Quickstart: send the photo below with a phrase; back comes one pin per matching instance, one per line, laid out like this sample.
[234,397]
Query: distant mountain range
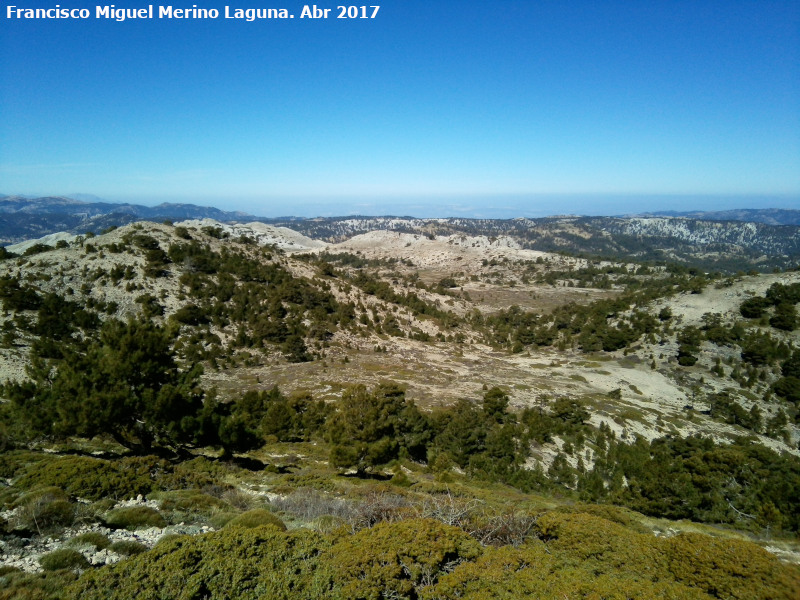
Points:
[762,239]
[770,216]
[23,218]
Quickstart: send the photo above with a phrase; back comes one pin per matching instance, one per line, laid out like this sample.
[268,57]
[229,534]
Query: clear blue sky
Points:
[434,107]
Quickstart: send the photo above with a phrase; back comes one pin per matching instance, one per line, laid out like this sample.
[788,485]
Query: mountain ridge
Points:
[718,241]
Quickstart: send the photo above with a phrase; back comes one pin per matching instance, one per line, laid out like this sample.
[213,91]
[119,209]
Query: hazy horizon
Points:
[463,206]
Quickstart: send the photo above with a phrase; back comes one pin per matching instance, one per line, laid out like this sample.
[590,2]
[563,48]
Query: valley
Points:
[501,376]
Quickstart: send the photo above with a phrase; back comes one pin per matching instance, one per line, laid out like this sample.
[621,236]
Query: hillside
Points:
[23,218]
[418,371]
[770,216]
[710,245]
[731,241]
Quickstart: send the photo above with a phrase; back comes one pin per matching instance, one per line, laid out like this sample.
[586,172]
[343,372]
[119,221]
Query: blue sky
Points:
[433,108]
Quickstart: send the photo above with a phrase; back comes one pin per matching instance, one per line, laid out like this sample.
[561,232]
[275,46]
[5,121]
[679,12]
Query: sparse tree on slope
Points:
[127,385]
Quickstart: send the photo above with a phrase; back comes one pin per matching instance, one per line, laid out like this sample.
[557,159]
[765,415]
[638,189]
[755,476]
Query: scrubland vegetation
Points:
[373,495]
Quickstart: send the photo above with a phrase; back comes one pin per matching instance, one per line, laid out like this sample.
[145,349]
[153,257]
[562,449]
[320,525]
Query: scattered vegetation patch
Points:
[64,558]
[569,555]
[190,501]
[94,478]
[127,547]
[43,510]
[94,539]
[256,517]
[404,501]
[134,517]
[246,564]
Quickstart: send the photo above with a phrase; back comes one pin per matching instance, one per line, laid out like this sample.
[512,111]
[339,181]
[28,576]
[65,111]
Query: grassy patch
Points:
[256,518]
[94,539]
[189,501]
[134,517]
[63,558]
[128,547]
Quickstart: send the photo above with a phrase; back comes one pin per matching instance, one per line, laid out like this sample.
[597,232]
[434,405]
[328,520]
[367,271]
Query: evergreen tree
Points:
[127,385]
[370,429]
[785,317]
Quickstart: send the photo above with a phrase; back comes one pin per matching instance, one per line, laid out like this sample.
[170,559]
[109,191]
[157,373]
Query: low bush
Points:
[193,501]
[509,573]
[127,547]
[198,473]
[47,585]
[615,514]
[256,518]
[729,568]
[583,538]
[44,510]
[399,559]
[91,538]
[576,555]
[246,564]
[103,505]
[12,462]
[63,558]
[307,504]
[94,478]
[134,517]
[504,528]
[169,537]
[38,492]
[220,519]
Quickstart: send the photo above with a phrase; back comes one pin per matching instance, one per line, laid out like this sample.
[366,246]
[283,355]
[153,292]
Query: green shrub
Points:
[399,559]
[188,501]
[63,558]
[615,514]
[606,546]
[219,520]
[38,492]
[134,517]
[730,568]
[509,573]
[246,564]
[578,556]
[90,538]
[14,461]
[256,518]
[46,585]
[170,537]
[94,478]
[44,510]
[198,473]
[103,505]
[127,547]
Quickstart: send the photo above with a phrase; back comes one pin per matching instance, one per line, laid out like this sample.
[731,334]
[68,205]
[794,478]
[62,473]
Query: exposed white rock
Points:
[265,235]
[48,240]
